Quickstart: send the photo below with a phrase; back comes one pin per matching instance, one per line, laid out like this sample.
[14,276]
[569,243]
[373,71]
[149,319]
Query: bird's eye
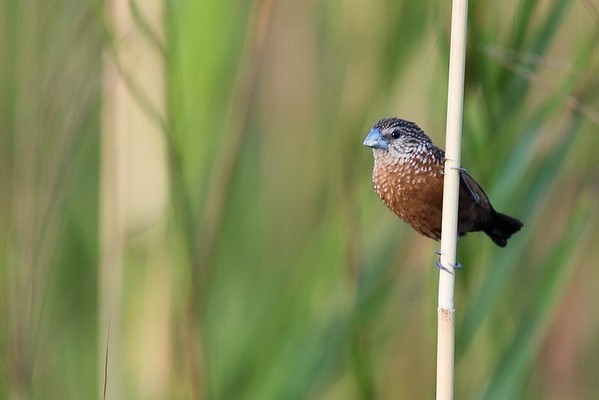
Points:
[395,134]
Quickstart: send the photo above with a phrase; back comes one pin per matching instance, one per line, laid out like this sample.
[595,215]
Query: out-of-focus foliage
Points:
[274,272]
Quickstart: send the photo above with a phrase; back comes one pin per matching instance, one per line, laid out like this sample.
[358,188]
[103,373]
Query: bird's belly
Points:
[417,200]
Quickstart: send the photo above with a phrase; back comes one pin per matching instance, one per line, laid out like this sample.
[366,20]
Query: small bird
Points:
[408,177]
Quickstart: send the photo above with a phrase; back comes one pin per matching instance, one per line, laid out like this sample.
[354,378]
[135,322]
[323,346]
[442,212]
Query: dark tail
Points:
[502,227]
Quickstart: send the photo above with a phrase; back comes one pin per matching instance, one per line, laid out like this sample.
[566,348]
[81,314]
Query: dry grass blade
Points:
[106,362]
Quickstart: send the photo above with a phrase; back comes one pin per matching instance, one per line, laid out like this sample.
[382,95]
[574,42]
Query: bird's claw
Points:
[462,170]
[442,267]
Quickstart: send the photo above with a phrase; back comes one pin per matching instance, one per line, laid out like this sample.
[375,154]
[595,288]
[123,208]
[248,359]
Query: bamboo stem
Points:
[446,310]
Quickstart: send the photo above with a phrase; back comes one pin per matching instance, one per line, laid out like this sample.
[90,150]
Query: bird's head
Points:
[396,138]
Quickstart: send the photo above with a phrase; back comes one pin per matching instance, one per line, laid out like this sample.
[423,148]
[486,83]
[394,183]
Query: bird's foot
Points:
[462,170]
[442,267]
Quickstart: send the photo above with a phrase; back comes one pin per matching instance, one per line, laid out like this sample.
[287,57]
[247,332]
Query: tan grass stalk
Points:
[446,309]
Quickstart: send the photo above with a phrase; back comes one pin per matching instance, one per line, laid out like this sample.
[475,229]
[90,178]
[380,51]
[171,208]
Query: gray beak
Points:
[375,140]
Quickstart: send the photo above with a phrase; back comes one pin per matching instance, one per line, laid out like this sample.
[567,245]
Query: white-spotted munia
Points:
[408,177]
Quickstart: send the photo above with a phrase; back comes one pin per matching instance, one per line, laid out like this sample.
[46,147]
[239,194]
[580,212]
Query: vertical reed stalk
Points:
[446,310]
[133,161]
[112,226]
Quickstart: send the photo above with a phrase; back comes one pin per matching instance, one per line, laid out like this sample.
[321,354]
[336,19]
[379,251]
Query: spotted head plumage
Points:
[406,132]
[398,140]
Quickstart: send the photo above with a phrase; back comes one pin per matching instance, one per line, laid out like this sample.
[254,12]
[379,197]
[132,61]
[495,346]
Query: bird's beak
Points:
[375,140]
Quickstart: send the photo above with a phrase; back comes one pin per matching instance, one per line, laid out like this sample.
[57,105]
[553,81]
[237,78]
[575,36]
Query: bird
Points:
[408,178]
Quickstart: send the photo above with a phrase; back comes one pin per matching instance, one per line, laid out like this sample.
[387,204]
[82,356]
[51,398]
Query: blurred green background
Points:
[186,203]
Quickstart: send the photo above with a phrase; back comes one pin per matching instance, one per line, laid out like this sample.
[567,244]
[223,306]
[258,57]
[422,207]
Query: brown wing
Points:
[475,209]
